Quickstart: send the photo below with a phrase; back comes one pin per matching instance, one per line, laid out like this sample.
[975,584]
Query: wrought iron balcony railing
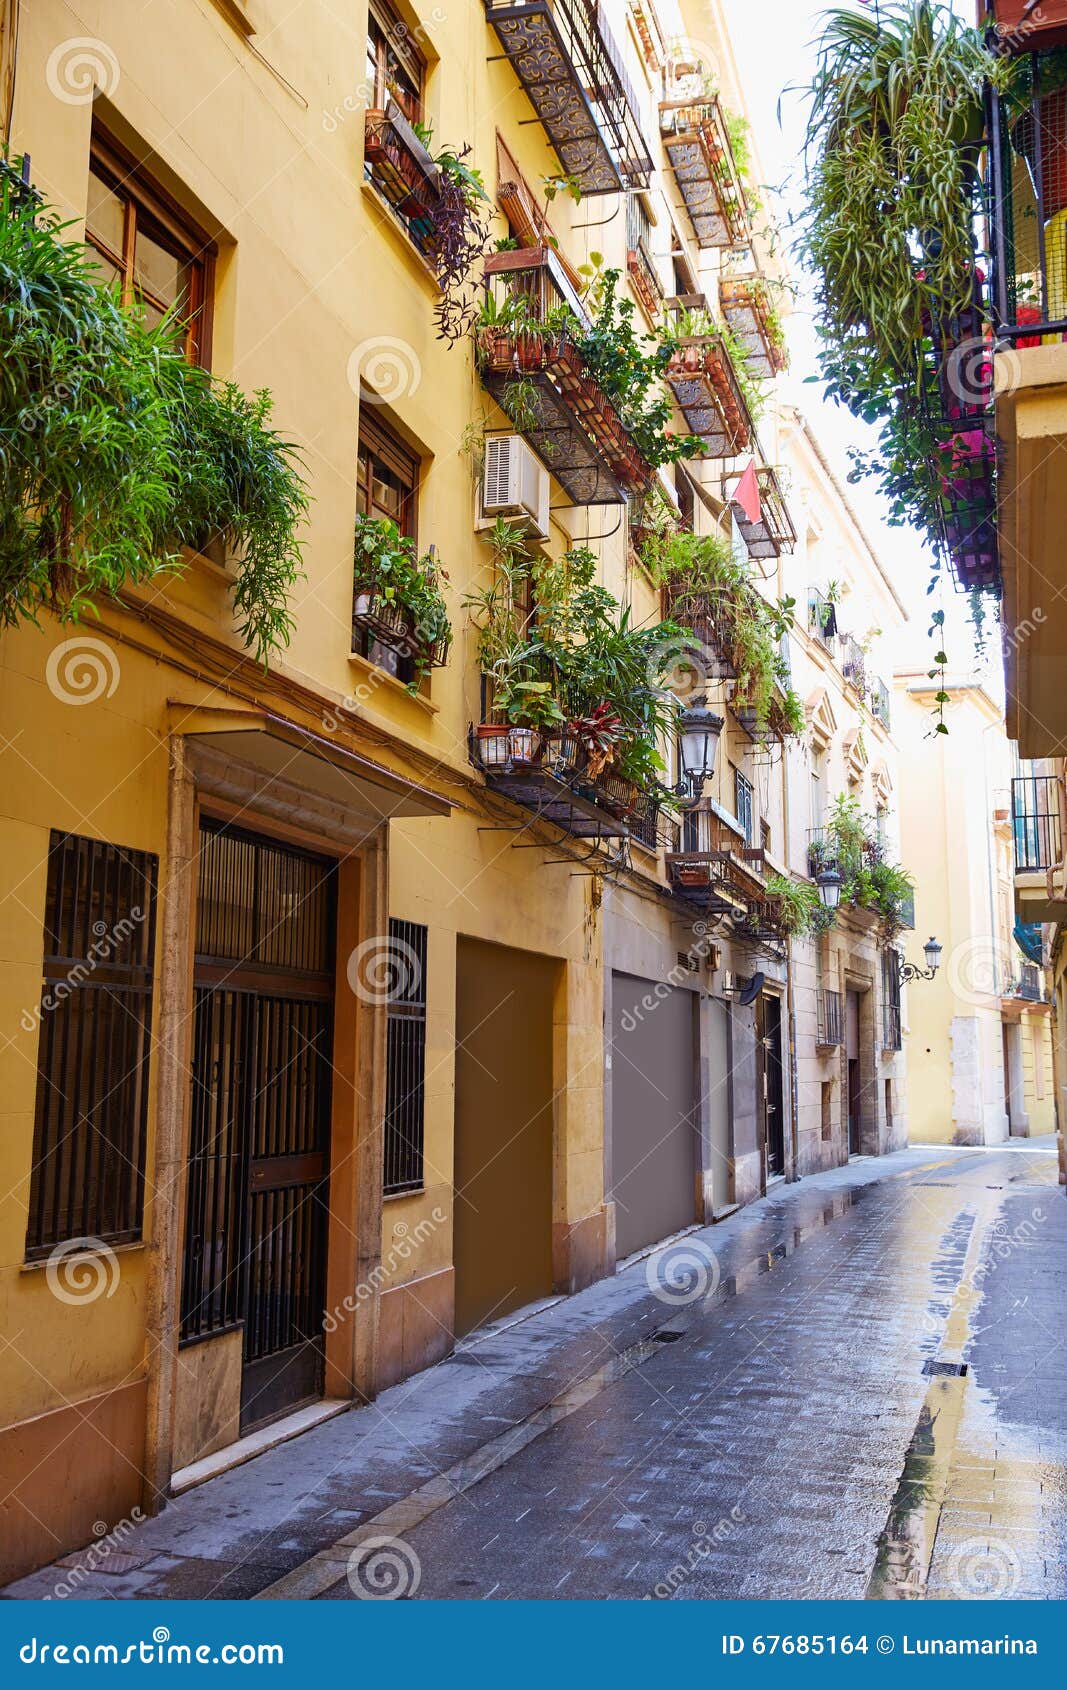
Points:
[1028,181]
[702,377]
[853,662]
[570,66]
[746,305]
[891,1029]
[1037,826]
[539,377]
[879,697]
[398,165]
[831,1018]
[697,139]
[774,533]
[1030,983]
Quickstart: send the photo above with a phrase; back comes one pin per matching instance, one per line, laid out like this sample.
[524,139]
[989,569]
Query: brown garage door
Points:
[654,1120]
[503,1152]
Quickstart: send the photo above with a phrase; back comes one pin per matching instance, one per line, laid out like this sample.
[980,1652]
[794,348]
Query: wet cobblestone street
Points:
[868,1398]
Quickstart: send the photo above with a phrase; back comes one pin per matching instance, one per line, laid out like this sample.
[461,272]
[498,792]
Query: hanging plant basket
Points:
[385,619]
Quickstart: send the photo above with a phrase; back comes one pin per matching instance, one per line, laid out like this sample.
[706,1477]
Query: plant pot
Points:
[560,752]
[493,740]
[524,745]
[616,794]
[530,350]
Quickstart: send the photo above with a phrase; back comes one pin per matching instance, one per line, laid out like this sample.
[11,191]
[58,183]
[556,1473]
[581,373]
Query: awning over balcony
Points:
[563,53]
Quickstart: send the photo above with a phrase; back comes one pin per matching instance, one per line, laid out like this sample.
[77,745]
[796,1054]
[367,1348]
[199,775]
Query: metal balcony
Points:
[746,306]
[853,662]
[702,377]
[567,417]
[571,68]
[697,141]
[1036,823]
[715,868]
[822,619]
[879,701]
[774,533]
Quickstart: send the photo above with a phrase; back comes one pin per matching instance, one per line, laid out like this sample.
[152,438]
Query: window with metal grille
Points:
[743,805]
[95,1016]
[891,1027]
[406,1069]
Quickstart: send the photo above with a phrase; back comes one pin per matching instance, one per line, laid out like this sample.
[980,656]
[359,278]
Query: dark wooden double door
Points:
[771,1080]
[257,1200]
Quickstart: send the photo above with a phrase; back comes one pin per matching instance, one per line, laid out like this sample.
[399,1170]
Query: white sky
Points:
[773,43]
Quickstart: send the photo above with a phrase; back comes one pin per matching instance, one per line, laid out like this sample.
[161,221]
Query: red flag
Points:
[746,493]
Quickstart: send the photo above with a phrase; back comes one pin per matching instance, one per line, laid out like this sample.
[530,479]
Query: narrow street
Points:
[855,1387]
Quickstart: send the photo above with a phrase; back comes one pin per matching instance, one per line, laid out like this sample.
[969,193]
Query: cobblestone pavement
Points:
[856,1387]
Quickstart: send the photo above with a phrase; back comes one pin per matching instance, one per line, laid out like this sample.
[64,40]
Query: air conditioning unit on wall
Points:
[514,486]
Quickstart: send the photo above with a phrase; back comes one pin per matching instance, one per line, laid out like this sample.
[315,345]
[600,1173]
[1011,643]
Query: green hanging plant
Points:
[116,451]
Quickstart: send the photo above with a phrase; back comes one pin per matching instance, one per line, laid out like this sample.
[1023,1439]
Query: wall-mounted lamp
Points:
[699,731]
[912,971]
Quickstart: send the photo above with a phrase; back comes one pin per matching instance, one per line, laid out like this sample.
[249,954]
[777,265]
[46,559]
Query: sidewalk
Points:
[243,1532]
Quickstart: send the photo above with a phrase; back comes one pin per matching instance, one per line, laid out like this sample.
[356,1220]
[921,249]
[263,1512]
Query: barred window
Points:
[406,1079]
[95,1020]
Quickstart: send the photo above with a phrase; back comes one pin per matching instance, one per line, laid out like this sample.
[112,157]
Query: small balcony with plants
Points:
[568,371]
[440,202]
[878,697]
[574,716]
[850,867]
[714,867]
[399,612]
[572,71]
[748,306]
[707,151]
[1038,812]
[733,634]
[708,373]
[773,532]
[853,661]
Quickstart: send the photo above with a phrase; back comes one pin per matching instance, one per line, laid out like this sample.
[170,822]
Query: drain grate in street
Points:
[945,1369]
[664,1335]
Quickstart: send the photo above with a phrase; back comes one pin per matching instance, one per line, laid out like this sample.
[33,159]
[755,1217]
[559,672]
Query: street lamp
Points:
[828,880]
[911,970]
[698,740]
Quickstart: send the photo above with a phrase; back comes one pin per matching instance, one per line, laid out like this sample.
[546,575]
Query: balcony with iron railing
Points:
[879,701]
[529,359]
[853,662]
[714,866]
[1027,196]
[696,137]
[702,376]
[1037,820]
[831,1019]
[572,70]
[892,1033]
[399,167]
[746,304]
[773,532]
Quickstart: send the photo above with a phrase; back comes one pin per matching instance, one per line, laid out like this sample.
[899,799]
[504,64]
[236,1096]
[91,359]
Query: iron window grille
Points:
[891,1026]
[91,1114]
[831,1018]
[743,805]
[405,1105]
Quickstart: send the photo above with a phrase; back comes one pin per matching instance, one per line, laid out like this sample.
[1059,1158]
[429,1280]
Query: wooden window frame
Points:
[396,35]
[147,207]
[380,444]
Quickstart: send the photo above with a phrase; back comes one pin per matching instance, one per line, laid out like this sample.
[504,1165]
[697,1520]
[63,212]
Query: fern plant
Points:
[116,451]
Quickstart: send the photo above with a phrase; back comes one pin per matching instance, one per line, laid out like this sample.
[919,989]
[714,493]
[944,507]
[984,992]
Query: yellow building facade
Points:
[370,1046]
[979,1033]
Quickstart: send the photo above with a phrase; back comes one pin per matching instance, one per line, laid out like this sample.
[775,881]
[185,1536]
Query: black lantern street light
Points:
[699,730]
[912,971]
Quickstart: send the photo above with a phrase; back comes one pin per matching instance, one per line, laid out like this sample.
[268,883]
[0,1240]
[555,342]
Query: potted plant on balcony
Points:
[798,907]
[397,594]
